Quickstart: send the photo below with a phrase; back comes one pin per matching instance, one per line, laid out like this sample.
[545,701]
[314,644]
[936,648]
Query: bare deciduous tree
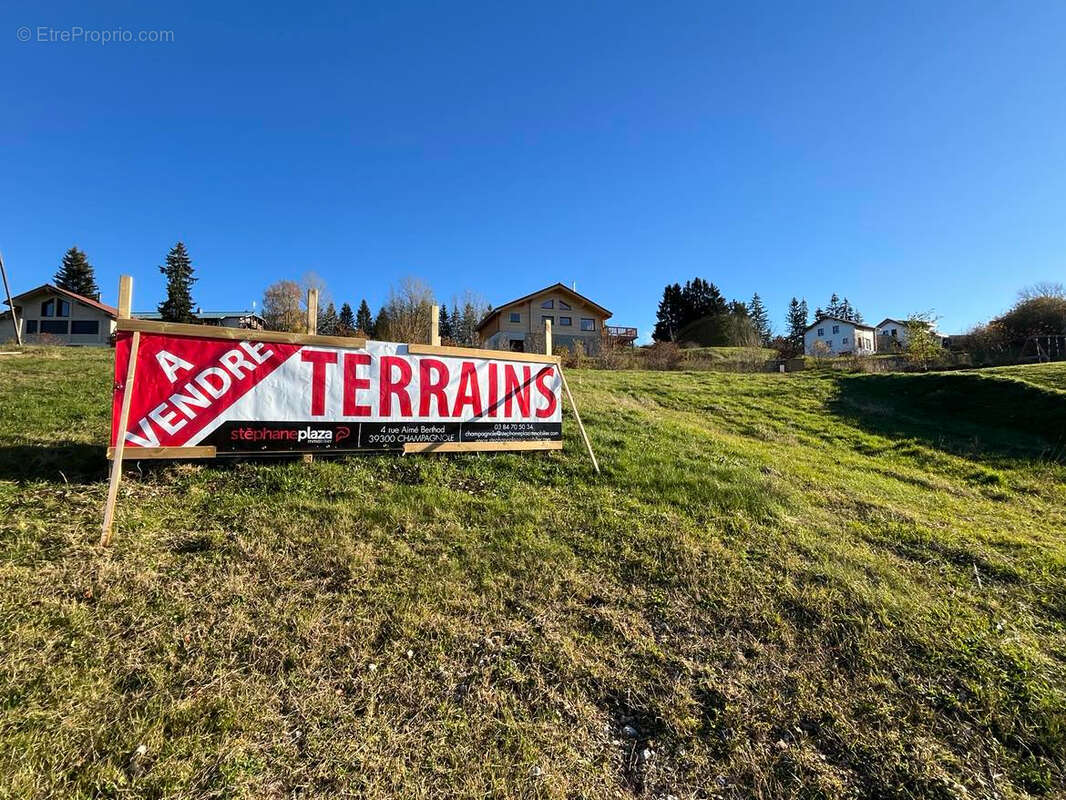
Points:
[283,307]
[408,312]
[1042,289]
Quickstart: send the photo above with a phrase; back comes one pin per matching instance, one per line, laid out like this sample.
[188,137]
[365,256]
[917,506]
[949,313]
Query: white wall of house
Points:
[895,331]
[839,338]
[73,323]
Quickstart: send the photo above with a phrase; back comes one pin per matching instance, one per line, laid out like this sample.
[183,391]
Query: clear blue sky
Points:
[909,155]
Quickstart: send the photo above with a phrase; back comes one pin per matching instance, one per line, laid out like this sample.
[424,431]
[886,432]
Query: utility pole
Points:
[14,317]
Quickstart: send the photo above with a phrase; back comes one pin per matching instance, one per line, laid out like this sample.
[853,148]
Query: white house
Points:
[892,335]
[833,336]
[55,316]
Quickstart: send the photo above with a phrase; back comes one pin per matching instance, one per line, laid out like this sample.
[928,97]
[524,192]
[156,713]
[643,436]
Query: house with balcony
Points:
[518,325]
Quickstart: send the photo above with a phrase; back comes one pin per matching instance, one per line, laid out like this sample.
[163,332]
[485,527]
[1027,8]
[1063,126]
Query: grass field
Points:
[729,353]
[804,585]
[1051,376]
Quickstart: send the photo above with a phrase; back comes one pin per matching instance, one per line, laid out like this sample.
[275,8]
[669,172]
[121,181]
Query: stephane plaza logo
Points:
[191,391]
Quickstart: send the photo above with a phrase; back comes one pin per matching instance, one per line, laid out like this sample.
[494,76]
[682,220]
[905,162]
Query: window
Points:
[564,306]
[821,331]
[516,317]
[844,340]
[588,324]
[547,318]
[56,326]
[836,329]
[85,327]
[31,326]
[893,331]
[548,304]
[55,308]
[565,322]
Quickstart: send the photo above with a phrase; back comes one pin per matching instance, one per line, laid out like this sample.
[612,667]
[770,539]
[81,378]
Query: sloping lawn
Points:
[1051,376]
[781,586]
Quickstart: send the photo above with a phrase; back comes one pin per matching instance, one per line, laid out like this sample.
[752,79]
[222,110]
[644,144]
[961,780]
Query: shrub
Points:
[1037,316]
[662,355]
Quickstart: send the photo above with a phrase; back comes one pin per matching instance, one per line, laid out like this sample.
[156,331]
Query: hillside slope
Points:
[782,585]
[1050,376]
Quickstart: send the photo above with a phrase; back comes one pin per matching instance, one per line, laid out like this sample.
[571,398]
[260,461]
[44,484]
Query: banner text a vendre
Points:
[256,396]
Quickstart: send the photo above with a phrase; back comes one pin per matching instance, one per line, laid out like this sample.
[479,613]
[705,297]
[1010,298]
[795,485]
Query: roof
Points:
[200,314]
[820,320]
[894,321]
[555,287]
[111,311]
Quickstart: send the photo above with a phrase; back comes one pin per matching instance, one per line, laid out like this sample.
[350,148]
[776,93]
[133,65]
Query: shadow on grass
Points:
[53,461]
[975,416]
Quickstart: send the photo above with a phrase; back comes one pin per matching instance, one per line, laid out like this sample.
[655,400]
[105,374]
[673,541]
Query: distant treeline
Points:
[698,314]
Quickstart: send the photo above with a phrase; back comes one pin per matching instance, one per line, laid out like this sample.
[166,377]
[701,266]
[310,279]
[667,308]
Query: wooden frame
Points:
[138,326]
[120,444]
[14,316]
[473,447]
[139,453]
[237,334]
[473,352]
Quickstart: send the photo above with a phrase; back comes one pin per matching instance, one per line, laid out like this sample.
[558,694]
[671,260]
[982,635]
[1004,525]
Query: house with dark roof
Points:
[518,325]
[52,315]
[892,334]
[219,319]
[833,336]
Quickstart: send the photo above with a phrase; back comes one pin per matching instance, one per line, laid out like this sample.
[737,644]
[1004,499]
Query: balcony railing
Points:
[620,334]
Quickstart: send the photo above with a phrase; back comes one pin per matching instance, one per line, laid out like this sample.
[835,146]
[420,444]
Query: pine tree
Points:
[468,325]
[668,319]
[841,309]
[328,322]
[381,324]
[364,321]
[178,269]
[849,312]
[77,275]
[701,299]
[346,320]
[447,330]
[796,324]
[760,319]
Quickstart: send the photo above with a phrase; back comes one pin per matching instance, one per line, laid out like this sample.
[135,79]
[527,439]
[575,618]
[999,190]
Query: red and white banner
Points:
[254,396]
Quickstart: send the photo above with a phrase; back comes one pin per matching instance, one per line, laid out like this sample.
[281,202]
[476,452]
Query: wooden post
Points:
[125,298]
[14,316]
[312,328]
[312,311]
[434,325]
[577,416]
[548,338]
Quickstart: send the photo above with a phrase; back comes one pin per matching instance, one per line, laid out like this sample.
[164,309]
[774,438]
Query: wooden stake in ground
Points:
[125,294]
[577,416]
[312,329]
[548,337]
[434,325]
[14,316]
